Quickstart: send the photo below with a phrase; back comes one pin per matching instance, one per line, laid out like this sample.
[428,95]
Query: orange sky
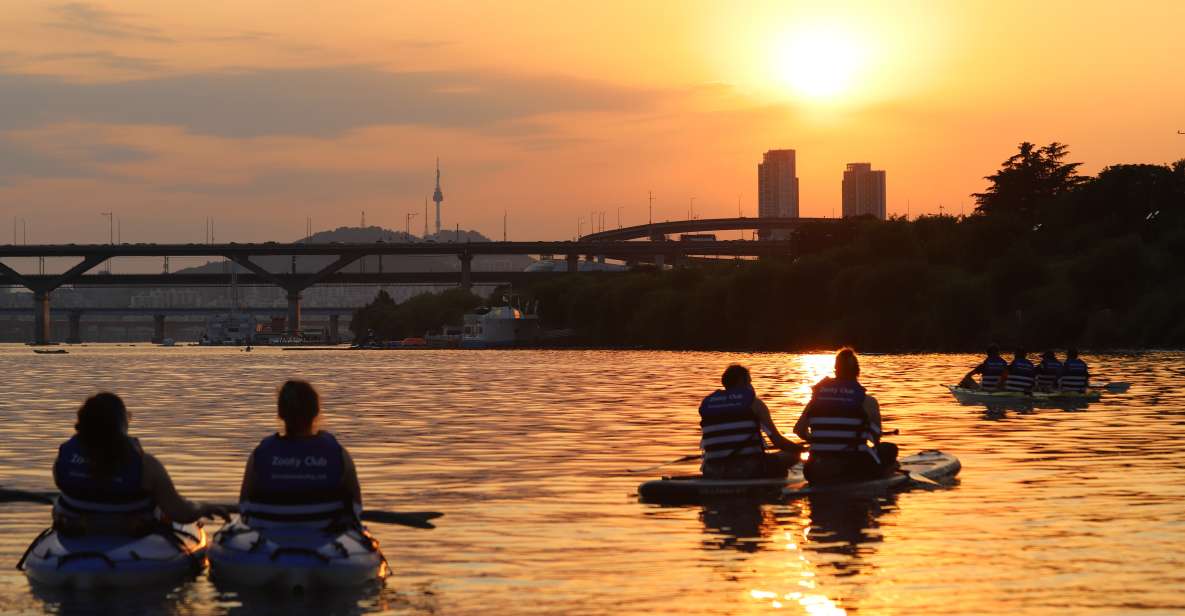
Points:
[261,114]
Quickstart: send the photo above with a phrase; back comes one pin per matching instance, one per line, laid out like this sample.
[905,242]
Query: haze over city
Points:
[262,114]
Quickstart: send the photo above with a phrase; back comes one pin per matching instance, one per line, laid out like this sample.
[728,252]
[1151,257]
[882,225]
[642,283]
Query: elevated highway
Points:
[659,230]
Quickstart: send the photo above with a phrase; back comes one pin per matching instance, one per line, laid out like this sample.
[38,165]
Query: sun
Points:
[821,63]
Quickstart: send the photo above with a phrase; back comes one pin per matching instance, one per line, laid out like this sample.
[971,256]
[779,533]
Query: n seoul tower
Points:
[437,196]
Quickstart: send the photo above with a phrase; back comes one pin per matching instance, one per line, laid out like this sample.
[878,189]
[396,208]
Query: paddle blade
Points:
[415,519]
[8,495]
[922,479]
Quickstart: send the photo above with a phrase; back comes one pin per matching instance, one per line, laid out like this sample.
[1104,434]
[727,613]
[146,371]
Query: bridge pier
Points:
[41,322]
[660,261]
[466,270]
[334,330]
[293,323]
[573,264]
[158,328]
[75,336]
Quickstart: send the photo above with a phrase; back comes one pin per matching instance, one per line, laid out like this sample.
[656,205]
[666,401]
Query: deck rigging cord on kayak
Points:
[414,519]
[697,456]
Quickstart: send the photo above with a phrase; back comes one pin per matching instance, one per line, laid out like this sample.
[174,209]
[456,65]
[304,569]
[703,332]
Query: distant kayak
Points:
[977,396]
[694,489]
[100,561]
[930,464]
[295,558]
[50,351]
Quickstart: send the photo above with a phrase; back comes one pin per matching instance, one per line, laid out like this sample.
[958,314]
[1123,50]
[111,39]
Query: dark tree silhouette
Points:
[1029,180]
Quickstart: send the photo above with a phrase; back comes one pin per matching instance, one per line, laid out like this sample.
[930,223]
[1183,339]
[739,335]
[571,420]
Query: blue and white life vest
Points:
[1047,373]
[992,369]
[837,421]
[1074,376]
[297,481]
[1021,375]
[82,492]
[729,427]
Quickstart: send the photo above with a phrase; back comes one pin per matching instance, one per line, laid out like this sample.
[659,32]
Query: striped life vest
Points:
[837,422]
[1047,373]
[991,370]
[297,482]
[84,493]
[1021,375]
[728,425]
[1074,376]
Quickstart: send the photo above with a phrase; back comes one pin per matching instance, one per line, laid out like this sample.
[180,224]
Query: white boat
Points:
[499,327]
[231,329]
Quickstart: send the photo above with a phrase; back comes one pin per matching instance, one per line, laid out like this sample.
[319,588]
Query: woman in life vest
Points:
[732,421]
[303,476]
[109,485]
[991,371]
[842,424]
[1075,375]
[1022,374]
[1047,372]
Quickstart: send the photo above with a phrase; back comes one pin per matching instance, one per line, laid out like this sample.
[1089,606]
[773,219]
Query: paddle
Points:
[687,458]
[415,519]
[1117,387]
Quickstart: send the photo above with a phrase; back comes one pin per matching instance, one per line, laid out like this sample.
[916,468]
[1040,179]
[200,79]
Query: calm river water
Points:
[1068,511]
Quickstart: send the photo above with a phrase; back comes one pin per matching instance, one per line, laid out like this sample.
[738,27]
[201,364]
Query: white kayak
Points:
[295,558]
[931,464]
[966,395]
[694,489]
[104,561]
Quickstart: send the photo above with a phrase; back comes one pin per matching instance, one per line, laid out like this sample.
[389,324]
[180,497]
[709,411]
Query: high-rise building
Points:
[777,189]
[863,191]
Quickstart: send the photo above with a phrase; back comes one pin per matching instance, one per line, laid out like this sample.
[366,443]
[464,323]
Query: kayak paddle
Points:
[1117,387]
[687,458]
[415,519]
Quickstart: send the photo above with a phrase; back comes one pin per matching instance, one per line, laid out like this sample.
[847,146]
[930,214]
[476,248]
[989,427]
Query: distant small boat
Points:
[51,352]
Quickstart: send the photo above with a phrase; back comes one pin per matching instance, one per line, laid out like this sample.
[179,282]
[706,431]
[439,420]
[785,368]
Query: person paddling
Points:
[109,485]
[732,421]
[1048,371]
[302,477]
[1022,375]
[991,371]
[842,424]
[1075,374]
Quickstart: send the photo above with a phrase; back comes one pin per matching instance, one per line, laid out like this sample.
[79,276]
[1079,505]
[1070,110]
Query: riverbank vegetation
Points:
[1049,258]
[384,319]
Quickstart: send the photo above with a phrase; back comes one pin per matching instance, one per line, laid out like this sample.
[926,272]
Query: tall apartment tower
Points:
[863,191]
[777,189]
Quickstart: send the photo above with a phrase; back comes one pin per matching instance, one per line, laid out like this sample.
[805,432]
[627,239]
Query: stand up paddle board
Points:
[931,464]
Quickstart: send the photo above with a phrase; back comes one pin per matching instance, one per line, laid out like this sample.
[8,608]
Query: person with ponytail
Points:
[303,476]
[109,485]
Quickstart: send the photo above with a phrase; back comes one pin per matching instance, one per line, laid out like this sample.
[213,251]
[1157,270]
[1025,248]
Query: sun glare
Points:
[819,63]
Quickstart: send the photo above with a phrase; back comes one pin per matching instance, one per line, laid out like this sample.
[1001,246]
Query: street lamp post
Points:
[110,233]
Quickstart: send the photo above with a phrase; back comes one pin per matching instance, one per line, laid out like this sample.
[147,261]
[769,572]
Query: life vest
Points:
[728,425]
[1047,373]
[991,370]
[297,481]
[83,493]
[1021,375]
[1074,376]
[837,421]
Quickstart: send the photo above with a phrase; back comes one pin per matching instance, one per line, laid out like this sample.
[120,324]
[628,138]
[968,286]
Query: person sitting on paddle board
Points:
[1075,375]
[1022,374]
[991,371]
[732,421]
[1048,372]
[842,424]
[302,477]
[109,485]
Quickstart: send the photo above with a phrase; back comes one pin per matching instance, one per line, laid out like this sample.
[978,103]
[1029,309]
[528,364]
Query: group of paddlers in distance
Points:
[1022,376]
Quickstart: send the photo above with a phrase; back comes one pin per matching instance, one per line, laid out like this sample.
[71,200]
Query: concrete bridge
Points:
[295,283]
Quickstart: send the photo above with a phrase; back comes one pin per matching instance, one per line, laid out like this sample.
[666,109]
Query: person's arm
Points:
[802,426]
[350,480]
[247,485]
[178,509]
[767,425]
[872,409]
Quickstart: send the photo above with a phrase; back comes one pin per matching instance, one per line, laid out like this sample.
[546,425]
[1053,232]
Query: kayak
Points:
[295,558]
[694,489]
[931,464]
[977,396]
[104,561]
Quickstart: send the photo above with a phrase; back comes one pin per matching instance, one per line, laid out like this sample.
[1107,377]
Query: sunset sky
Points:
[261,113]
